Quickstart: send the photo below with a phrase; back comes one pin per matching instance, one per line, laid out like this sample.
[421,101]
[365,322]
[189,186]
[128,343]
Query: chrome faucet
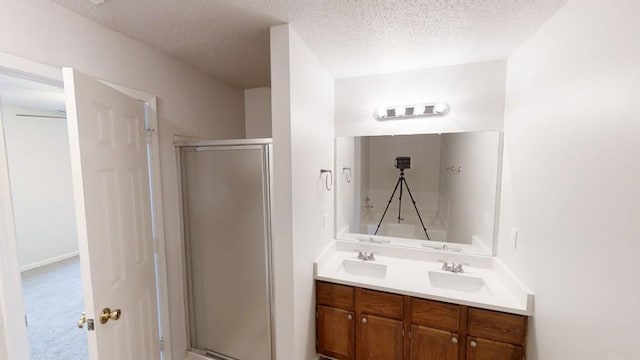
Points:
[452,267]
[366,256]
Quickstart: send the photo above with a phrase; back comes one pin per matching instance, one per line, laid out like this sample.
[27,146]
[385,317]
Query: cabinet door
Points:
[483,349]
[335,333]
[433,344]
[379,338]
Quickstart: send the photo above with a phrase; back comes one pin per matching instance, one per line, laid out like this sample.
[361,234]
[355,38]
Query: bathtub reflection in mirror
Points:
[453,179]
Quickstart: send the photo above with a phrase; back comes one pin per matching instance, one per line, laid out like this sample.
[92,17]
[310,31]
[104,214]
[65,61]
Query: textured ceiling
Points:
[230,38]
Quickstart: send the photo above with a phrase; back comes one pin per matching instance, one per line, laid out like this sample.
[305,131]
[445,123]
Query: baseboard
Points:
[194,356]
[45,262]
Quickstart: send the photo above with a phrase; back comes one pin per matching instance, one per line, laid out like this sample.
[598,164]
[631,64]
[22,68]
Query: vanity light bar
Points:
[411,111]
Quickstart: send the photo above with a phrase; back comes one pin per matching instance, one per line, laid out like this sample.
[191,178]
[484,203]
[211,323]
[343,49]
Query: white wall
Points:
[303,137]
[345,190]
[3,342]
[257,112]
[468,197]
[571,182]
[42,191]
[189,102]
[475,93]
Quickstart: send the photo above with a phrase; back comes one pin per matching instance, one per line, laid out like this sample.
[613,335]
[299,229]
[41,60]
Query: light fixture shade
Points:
[411,111]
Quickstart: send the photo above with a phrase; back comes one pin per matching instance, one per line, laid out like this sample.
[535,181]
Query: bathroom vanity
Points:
[403,305]
[417,279]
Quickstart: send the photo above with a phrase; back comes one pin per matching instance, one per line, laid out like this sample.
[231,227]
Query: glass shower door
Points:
[226,218]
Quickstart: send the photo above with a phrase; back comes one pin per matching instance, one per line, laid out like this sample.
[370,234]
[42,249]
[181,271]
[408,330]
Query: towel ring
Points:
[347,173]
[328,179]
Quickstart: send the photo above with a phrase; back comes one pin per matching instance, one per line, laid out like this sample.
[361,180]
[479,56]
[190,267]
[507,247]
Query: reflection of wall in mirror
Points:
[467,198]
[422,178]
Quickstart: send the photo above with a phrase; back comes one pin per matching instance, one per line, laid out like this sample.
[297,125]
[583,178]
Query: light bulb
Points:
[440,108]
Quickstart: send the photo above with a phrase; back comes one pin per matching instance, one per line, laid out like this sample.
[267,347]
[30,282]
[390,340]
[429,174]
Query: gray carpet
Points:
[53,301]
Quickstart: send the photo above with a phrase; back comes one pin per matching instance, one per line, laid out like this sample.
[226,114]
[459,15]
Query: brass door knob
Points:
[108,314]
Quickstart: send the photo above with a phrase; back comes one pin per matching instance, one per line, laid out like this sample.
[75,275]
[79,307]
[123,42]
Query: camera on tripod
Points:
[402,162]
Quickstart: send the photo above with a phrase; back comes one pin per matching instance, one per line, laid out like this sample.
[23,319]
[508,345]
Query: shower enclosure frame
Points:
[265,144]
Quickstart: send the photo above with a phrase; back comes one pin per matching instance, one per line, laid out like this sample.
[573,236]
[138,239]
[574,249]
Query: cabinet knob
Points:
[364,320]
[473,344]
[350,317]
[454,340]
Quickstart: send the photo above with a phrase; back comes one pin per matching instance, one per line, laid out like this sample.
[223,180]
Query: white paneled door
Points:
[108,142]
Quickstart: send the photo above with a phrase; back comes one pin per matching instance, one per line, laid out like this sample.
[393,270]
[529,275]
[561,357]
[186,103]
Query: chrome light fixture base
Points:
[411,111]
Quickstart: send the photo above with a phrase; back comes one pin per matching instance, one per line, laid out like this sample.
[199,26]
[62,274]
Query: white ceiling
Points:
[230,38]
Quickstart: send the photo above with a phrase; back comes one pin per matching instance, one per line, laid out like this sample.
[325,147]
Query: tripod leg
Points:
[387,208]
[416,207]
[400,202]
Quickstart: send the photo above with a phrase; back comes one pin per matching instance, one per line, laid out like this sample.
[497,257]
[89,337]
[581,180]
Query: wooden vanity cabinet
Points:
[435,330]
[335,321]
[362,324]
[495,335]
[429,343]
[380,326]
[484,349]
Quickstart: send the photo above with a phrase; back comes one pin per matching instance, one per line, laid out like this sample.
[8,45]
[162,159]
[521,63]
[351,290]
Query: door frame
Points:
[181,141]
[11,300]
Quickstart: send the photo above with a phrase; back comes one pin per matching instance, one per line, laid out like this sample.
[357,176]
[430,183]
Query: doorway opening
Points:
[37,147]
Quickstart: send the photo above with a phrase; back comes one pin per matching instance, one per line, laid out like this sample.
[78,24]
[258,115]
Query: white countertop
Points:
[476,247]
[408,274]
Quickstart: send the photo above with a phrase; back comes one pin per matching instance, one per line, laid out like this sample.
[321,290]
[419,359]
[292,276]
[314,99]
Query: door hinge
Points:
[161,344]
[147,134]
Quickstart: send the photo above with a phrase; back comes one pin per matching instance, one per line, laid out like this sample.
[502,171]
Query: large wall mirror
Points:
[436,191]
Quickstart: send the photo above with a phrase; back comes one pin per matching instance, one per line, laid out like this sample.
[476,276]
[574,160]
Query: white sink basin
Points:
[364,268]
[458,282]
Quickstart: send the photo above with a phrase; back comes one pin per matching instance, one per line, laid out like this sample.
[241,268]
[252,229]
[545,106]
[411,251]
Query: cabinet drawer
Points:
[380,303]
[497,326]
[435,314]
[339,296]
